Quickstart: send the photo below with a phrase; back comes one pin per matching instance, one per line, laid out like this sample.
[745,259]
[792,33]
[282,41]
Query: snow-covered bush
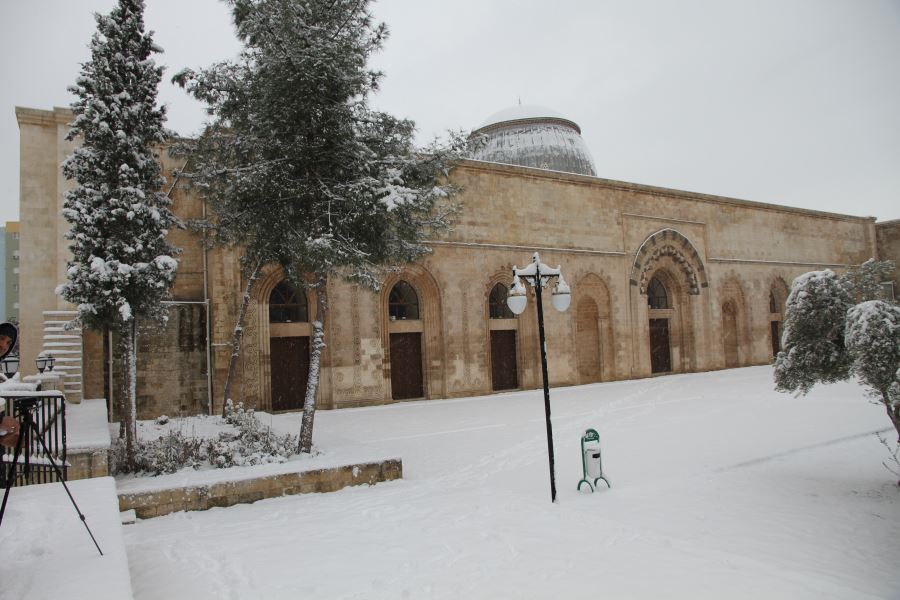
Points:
[872,339]
[169,453]
[253,444]
[813,338]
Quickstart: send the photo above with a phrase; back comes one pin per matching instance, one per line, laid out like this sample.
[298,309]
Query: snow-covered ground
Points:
[722,488]
[46,553]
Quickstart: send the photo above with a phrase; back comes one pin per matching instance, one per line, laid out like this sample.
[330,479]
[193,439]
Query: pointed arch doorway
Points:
[503,327]
[405,328]
[288,346]
[660,312]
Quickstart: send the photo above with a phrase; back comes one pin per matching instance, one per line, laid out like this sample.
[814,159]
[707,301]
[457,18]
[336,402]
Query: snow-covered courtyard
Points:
[722,488]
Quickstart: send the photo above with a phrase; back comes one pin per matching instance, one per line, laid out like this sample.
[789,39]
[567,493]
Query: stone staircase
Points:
[65,346]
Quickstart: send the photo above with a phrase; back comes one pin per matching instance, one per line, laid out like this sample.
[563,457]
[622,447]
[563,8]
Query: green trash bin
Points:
[591,460]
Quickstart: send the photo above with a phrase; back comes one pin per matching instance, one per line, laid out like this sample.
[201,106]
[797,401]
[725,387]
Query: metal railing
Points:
[47,412]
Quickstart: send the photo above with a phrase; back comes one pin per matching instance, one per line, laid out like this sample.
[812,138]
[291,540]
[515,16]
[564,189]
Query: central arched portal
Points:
[668,276]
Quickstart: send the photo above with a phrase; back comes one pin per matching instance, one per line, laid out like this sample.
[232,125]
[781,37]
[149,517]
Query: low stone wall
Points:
[84,464]
[229,493]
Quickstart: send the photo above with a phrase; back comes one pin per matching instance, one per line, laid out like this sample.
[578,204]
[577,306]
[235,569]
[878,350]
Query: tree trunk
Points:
[893,413]
[315,361]
[129,343]
[237,335]
[120,397]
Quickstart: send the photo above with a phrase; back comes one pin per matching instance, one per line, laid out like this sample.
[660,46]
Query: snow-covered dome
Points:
[533,136]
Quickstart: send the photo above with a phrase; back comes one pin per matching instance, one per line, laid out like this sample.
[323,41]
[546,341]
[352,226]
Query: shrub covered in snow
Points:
[813,338]
[252,444]
[169,453]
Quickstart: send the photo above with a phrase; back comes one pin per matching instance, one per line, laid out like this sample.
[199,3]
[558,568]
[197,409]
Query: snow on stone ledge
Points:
[46,552]
[194,478]
[86,426]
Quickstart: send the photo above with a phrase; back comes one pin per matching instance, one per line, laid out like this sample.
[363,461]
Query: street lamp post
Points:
[539,276]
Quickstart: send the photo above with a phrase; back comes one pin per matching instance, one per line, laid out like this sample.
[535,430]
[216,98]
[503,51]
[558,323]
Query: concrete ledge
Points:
[228,493]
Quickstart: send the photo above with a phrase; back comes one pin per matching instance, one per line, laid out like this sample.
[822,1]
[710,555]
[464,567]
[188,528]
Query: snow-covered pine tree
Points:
[813,339]
[834,328]
[122,265]
[872,339]
[300,171]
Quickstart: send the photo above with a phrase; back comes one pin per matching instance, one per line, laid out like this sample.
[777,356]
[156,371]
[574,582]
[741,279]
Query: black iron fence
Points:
[42,418]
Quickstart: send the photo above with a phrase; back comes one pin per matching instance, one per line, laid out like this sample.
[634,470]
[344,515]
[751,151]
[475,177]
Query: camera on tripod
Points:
[38,413]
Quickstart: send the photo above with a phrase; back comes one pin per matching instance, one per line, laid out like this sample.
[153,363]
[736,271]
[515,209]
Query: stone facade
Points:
[888,234]
[725,265]
[11,271]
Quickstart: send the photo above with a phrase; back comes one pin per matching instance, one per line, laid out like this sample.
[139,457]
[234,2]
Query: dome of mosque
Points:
[533,136]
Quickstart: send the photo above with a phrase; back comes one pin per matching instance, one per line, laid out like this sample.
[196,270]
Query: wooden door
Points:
[406,366]
[776,338]
[660,355]
[290,371]
[504,374]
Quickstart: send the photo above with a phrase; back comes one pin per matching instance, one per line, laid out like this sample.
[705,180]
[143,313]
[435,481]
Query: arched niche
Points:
[736,339]
[594,343]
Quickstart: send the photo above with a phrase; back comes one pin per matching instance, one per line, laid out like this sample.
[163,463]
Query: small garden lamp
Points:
[44,362]
[10,364]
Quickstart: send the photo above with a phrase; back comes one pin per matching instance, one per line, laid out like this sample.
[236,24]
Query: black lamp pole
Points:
[540,317]
[539,275]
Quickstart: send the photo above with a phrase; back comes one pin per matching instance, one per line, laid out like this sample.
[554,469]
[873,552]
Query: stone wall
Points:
[228,493]
[889,248]
[84,464]
[171,365]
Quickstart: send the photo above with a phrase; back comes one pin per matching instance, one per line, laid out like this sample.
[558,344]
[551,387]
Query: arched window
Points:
[657,298]
[403,303]
[287,305]
[773,304]
[497,303]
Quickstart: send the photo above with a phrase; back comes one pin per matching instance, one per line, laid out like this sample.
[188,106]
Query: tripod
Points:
[26,407]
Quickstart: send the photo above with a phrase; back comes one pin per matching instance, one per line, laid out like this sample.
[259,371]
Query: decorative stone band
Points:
[671,243]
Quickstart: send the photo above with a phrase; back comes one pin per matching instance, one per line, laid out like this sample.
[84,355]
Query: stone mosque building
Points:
[663,281]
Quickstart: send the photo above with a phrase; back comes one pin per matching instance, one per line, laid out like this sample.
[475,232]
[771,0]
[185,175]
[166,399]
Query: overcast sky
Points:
[794,102]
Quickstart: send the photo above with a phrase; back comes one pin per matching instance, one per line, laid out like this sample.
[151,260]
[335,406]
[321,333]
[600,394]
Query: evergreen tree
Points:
[834,328]
[122,265]
[813,338]
[873,343]
[299,171]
